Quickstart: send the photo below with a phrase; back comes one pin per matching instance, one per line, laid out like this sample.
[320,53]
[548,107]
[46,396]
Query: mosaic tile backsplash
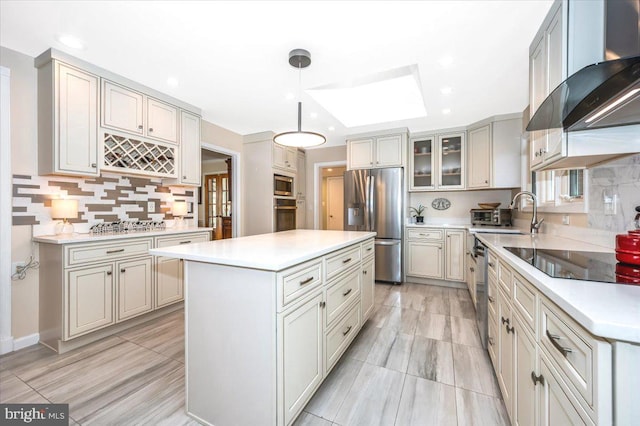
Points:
[106,198]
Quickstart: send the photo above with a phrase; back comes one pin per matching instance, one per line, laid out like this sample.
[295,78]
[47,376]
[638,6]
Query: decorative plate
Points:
[441,204]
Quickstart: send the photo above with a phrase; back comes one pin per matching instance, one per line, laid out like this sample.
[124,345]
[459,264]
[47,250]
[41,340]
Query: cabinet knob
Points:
[505,320]
[491,299]
[94,165]
[140,126]
[486,181]
[184,177]
[109,272]
[123,270]
[150,129]
[323,304]
[510,329]
[537,379]
[364,272]
[491,341]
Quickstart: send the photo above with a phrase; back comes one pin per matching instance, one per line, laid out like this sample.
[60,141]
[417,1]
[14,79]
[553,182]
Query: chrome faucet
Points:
[535,224]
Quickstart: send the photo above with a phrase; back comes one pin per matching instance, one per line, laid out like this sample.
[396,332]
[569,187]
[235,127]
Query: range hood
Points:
[606,94]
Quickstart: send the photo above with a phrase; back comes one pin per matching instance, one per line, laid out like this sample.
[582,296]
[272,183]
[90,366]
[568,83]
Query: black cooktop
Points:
[569,264]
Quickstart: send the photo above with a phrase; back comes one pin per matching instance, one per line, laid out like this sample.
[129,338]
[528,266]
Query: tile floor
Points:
[417,361]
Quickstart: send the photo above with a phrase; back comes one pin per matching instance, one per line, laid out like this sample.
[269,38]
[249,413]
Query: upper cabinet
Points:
[493,153]
[285,157]
[133,130]
[436,162]
[376,151]
[67,120]
[132,112]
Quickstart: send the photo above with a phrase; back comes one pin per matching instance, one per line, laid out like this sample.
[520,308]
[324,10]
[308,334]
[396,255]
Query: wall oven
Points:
[284,214]
[282,186]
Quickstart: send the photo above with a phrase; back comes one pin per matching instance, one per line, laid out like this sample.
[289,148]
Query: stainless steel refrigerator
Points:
[373,201]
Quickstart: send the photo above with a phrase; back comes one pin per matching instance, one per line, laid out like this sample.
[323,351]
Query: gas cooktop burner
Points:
[579,265]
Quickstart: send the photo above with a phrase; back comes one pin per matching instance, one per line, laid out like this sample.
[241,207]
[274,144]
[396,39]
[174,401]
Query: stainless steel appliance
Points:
[492,217]
[374,201]
[284,214]
[482,295]
[282,185]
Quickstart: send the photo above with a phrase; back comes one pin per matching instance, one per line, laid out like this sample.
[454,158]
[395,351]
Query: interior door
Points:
[217,210]
[335,203]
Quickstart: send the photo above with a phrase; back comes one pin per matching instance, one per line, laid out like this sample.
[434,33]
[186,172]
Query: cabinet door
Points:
[169,284]
[537,94]
[301,175]
[77,121]
[556,68]
[162,121]
[190,148]
[471,278]
[451,161]
[301,214]
[122,108]
[454,256]
[301,353]
[479,157]
[505,349]
[555,405]
[279,156]
[425,259]
[291,159]
[360,154]
[90,299]
[389,151]
[422,164]
[134,288]
[524,361]
[368,289]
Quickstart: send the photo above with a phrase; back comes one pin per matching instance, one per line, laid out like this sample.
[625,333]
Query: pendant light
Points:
[299,58]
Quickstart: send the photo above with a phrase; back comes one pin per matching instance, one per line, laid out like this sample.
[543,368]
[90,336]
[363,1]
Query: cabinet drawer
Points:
[368,248]
[341,294]
[338,339]
[524,300]
[571,348]
[175,240]
[504,276]
[492,263]
[298,281]
[342,260]
[426,234]
[86,253]
[492,297]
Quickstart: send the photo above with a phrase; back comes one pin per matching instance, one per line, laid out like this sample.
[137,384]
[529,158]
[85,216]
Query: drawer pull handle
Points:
[344,333]
[185,242]
[510,329]
[370,248]
[307,281]
[505,321]
[554,341]
[115,251]
[346,292]
[123,270]
[346,260]
[491,299]
[537,379]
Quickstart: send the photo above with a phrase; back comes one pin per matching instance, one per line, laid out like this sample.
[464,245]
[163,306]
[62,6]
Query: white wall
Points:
[461,202]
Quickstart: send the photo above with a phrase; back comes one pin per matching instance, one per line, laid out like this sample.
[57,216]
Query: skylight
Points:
[389,96]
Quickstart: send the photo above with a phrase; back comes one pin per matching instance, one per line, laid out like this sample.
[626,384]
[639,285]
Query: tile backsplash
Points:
[106,198]
[616,182]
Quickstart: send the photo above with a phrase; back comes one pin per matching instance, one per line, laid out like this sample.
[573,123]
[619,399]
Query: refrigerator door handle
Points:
[387,242]
[371,206]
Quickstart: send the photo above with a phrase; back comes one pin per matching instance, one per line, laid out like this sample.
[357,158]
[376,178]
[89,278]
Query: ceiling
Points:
[231,58]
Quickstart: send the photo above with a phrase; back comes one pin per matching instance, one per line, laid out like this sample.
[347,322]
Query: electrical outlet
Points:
[151,206]
[610,205]
[565,219]
[15,265]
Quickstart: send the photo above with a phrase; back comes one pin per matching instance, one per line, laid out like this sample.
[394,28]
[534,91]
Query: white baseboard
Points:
[6,345]
[23,342]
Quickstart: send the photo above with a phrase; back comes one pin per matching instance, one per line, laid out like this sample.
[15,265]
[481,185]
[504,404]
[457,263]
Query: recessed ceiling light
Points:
[329,170]
[388,96]
[313,115]
[446,61]
[331,128]
[71,41]
[172,81]
[446,90]
[446,111]
[289,96]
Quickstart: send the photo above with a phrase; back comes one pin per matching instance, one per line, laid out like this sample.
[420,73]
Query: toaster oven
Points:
[491,217]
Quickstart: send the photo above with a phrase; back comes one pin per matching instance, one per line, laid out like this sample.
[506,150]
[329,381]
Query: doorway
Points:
[332,197]
[215,196]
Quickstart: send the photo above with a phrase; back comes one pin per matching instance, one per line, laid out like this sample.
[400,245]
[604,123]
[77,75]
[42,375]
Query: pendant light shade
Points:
[299,58]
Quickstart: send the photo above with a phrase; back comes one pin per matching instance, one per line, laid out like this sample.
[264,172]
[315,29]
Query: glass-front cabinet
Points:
[437,162]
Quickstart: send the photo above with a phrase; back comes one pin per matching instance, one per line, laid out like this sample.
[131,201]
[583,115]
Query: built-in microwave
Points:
[282,185]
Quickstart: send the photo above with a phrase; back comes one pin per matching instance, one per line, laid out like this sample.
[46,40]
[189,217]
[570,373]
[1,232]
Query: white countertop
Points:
[443,225]
[607,310]
[469,227]
[270,252]
[87,238]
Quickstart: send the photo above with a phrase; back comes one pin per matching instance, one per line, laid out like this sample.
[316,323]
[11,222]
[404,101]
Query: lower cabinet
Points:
[169,286]
[424,259]
[302,337]
[550,370]
[90,299]
[436,253]
[134,288]
[454,255]
[368,288]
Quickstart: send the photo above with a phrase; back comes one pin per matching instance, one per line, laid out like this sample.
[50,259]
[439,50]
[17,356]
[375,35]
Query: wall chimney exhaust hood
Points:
[606,94]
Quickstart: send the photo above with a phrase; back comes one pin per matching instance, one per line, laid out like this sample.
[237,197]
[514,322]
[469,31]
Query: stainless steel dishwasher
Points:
[482,302]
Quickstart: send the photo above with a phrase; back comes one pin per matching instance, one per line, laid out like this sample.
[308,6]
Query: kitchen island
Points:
[267,317]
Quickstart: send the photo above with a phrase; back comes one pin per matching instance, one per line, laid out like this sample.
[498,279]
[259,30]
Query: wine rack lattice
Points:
[139,156]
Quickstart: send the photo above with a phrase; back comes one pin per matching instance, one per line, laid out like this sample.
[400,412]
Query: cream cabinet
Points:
[454,255]
[67,120]
[285,157]
[376,151]
[130,111]
[368,287]
[190,149]
[437,162]
[301,174]
[549,369]
[479,157]
[89,286]
[436,253]
[425,259]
